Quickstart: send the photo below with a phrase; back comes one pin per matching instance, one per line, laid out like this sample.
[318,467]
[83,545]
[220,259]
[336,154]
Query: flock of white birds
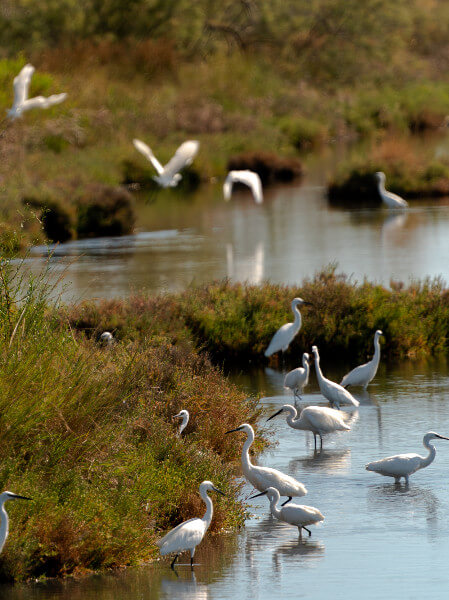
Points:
[319,420]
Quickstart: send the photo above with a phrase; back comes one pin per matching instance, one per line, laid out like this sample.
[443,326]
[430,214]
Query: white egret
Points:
[364,374]
[388,198]
[285,334]
[335,393]
[249,178]
[299,515]
[184,415]
[169,175]
[106,338]
[320,420]
[264,477]
[187,535]
[297,379]
[21,101]
[404,465]
[4,524]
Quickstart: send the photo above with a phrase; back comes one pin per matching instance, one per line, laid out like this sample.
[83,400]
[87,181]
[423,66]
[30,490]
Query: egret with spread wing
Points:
[249,178]
[169,175]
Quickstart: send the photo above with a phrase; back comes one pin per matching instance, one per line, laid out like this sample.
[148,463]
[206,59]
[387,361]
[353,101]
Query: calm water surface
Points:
[378,540]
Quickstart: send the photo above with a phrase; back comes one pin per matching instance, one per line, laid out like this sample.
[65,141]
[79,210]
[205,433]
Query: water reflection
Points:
[249,269]
[326,461]
[183,587]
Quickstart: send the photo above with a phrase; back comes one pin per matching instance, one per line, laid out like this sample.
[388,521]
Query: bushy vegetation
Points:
[86,432]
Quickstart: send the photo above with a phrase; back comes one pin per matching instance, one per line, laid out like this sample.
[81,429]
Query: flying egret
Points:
[264,477]
[21,101]
[364,374]
[299,515]
[320,420]
[335,393]
[404,465]
[184,415]
[106,338]
[249,178]
[169,175]
[285,334]
[4,524]
[297,379]
[388,198]
[187,535]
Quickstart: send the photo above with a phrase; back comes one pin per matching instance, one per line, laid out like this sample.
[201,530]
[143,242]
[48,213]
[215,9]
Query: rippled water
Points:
[378,540]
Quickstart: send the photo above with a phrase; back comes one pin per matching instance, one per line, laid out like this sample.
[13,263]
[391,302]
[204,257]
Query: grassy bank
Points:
[87,433]
[235,322]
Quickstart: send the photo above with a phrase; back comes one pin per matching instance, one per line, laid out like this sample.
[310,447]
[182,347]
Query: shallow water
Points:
[378,540]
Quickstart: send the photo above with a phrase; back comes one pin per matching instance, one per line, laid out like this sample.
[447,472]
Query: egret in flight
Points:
[249,178]
[187,535]
[4,523]
[184,415]
[297,379]
[264,477]
[299,515]
[364,374]
[320,420]
[285,334]
[21,89]
[335,393]
[389,199]
[404,465]
[169,175]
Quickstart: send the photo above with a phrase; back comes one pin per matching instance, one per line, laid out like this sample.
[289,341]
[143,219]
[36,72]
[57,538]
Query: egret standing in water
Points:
[4,524]
[184,415]
[388,198]
[299,515]
[297,379]
[320,420]
[187,535]
[404,465]
[285,334]
[169,175]
[364,374]
[264,477]
[249,178]
[336,394]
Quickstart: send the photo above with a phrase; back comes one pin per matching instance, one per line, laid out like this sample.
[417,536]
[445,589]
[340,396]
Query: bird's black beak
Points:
[308,303]
[442,437]
[257,495]
[232,430]
[275,414]
[20,497]
[219,491]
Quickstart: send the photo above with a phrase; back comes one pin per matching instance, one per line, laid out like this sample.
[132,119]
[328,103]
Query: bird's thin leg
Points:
[314,439]
[397,480]
[321,441]
[406,479]
[288,500]
[172,566]
[300,532]
[192,553]
[308,531]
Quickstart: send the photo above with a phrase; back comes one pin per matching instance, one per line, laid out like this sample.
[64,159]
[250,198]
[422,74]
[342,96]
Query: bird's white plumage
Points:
[264,477]
[404,465]
[21,89]
[249,178]
[364,374]
[335,393]
[297,379]
[169,175]
[106,338]
[388,198]
[4,519]
[185,416]
[285,334]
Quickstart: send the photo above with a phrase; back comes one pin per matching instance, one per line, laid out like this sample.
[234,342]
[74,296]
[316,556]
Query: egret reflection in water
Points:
[248,268]
[183,588]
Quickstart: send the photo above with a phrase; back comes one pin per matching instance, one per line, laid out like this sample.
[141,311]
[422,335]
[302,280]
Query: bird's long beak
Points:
[232,430]
[17,497]
[178,416]
[442,437]
[275,414]
[308,303]
[257,495]
[219,491]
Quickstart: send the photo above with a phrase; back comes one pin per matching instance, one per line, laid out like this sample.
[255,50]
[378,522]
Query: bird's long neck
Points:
[319,374]
[381,186]
[185,420]
[4,526]
[209,509]
[292,415]
[376,357]
[275,511]
[297,321]
[246,461]
[430,457]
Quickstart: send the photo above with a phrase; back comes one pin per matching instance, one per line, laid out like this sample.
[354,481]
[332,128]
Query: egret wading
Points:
[264,477]
[249,178]
[335,393]
[4,523]
[187,535]
[404,465]
[285,334]
[184,415]
[320,420]
[169,175]
[297,379]
[388,198]
[299,515]
[364,374]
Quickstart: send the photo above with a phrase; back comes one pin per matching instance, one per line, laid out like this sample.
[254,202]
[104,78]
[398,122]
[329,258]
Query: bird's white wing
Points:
[148,153]
[357,376]
[251,179]
[281,339]
[341,395]
[287,485]
[183,157]
[43,102]
[227,186]
[183,537]
[399,465]
[297,514]
[324,419]
[22,84]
